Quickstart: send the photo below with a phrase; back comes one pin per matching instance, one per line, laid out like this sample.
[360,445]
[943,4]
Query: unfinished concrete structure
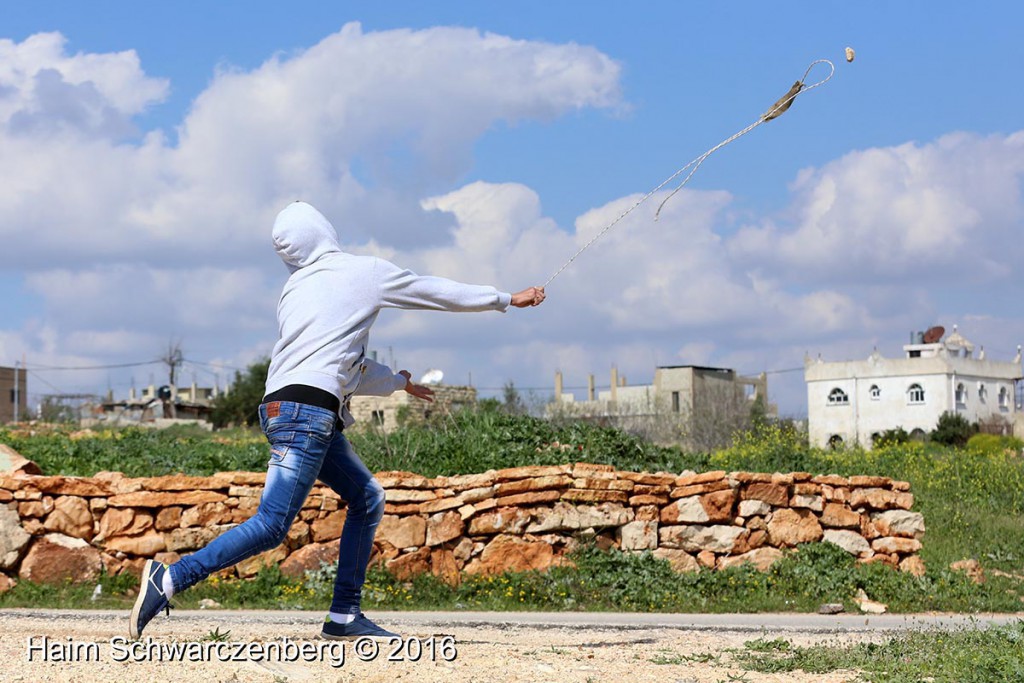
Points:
[13,395]
[688,404]
[398,409]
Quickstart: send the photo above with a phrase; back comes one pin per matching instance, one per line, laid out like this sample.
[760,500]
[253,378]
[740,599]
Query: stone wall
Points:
[54,528]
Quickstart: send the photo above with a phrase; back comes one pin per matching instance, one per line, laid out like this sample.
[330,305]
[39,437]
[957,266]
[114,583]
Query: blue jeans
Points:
[304,446]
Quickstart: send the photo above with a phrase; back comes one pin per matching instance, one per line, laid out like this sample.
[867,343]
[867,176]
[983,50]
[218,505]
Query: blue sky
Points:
[887,200]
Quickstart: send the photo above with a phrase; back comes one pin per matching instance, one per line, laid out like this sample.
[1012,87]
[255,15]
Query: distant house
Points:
[853,402]
[390,412]
[13,395]
[688,404]
[155,406]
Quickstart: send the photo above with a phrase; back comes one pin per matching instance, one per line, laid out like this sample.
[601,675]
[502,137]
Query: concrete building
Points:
[688,404]
[398,409]
[853,402]
[13,395]
[154,406]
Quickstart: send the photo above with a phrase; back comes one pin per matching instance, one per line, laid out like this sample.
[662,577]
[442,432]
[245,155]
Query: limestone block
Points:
[790,527]
[680,560]
[443,527]
[13,538]
[850,541]
[762,558]
[506,520]
[684,511]
[403,532]
[899,523]
[56,558]
[750,508]
[694,538]
[638,535]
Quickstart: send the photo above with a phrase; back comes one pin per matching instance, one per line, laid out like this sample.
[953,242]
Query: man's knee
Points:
[374,501]
[272,529]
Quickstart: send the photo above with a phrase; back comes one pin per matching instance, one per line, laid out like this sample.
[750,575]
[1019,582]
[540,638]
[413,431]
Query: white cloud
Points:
[949,209]
[45,91]
[168,236]
[327,124]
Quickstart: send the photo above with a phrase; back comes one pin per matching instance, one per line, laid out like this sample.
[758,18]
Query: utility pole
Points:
[16,399]
[173,359]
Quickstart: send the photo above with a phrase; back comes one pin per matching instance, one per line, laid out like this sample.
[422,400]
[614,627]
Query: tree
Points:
[240,405]
[953,429]
[512,402]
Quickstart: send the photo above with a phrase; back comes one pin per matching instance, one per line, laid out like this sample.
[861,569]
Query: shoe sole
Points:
[329,636]
[139,601]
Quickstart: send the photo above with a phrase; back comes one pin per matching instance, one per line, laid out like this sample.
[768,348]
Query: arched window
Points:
[838,397]
[875,392]
[835,441]
[915,394]
[1004,399]
[918,435]
[961,394]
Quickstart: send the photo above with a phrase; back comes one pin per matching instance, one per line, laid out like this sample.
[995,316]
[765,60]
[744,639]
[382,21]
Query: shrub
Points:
[953,429]
[994,443]
[892,437]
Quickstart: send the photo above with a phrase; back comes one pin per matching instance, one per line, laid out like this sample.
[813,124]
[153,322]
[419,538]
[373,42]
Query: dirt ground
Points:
[267,648]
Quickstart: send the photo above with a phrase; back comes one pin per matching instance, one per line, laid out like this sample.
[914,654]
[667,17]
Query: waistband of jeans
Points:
[310,396]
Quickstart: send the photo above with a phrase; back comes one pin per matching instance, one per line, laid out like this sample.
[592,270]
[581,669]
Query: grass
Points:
[972,500]
[596,581]
[964,655]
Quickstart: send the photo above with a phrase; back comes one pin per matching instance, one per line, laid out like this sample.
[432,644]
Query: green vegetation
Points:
[969,655]
[240,406]
[972,499]
[470,441]
[595,581]
[953,429]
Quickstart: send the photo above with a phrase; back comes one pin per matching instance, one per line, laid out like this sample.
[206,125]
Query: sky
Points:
[145,150]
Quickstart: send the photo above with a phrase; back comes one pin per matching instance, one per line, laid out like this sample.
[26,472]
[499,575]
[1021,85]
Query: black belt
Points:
[310,396]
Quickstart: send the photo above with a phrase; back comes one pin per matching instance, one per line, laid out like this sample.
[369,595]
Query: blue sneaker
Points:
[151,598]
[360,627]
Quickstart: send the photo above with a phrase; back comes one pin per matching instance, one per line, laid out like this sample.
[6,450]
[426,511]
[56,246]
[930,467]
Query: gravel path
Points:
[270,647]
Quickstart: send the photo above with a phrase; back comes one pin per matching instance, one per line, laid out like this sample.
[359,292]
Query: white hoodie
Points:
[332,298]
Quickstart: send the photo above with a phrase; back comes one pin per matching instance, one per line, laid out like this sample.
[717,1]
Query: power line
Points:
[214,365]
[36,375]
[46,368]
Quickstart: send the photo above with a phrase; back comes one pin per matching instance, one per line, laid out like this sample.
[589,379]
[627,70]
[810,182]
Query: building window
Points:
[876,393]
[915,394]
[838,397]
[961,394]
[982,392]
[1004,399]
[378,417]
[675,401]
[835,442]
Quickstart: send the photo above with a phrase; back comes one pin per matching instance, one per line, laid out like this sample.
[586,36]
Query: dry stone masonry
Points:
[55,528]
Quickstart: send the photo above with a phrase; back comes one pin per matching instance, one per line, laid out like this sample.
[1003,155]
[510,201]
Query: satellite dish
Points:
[934,334]
[432,377]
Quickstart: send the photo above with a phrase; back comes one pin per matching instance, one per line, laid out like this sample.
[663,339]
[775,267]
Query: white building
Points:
[855,401]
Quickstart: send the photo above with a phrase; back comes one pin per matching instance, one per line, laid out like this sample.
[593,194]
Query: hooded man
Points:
[329,303]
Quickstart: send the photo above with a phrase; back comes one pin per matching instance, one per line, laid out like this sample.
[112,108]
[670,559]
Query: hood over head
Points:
[302,235]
